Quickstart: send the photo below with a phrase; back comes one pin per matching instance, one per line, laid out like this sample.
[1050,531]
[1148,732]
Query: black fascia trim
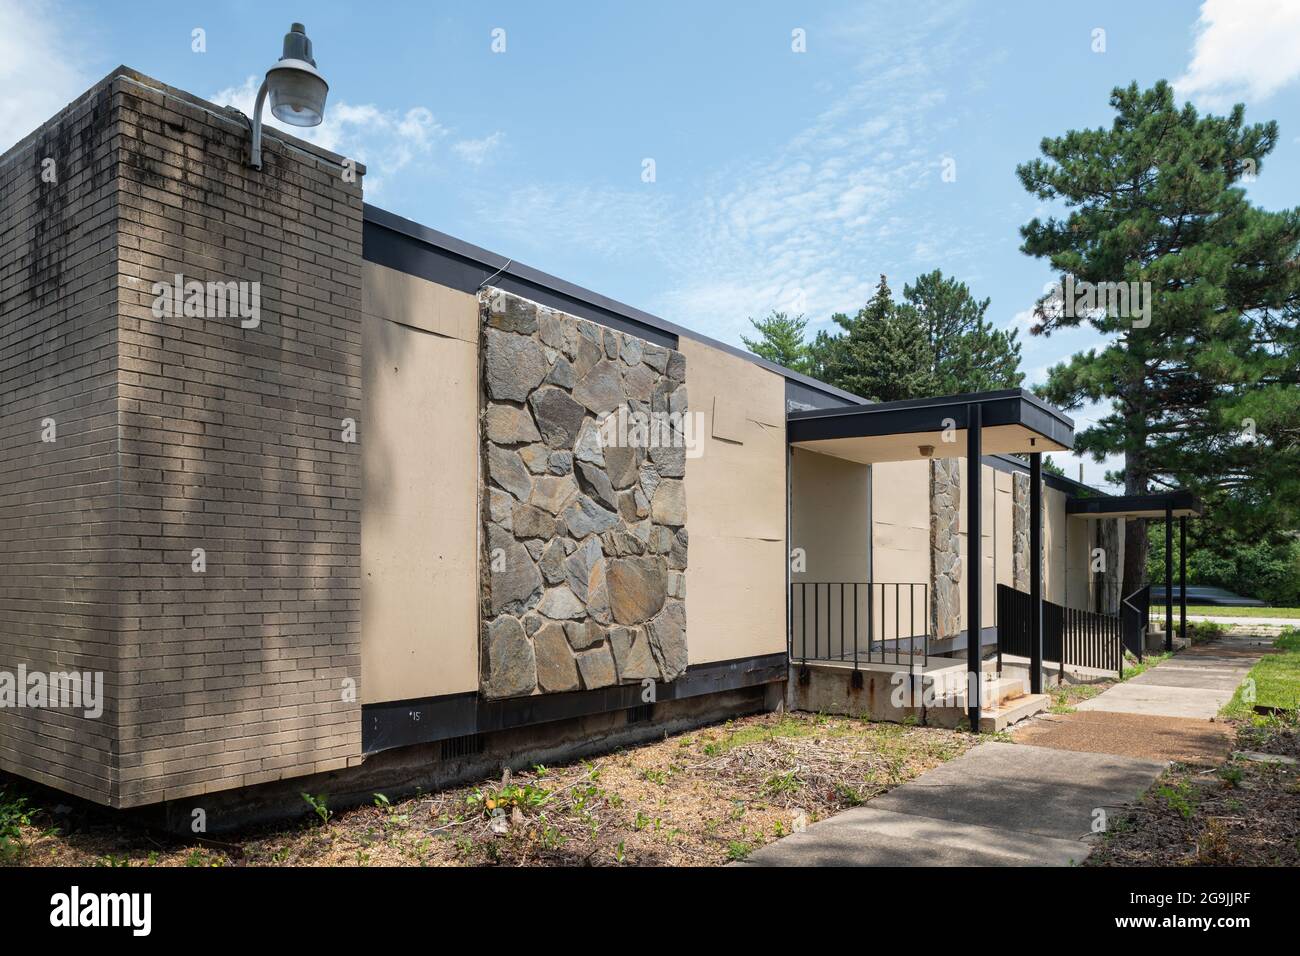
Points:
[1075,489]
[1123,504]
[390,240]
[802,397]
[426,720]
[1008,407]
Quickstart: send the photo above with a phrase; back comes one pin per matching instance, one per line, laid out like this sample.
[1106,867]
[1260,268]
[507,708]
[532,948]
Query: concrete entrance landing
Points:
[997,805]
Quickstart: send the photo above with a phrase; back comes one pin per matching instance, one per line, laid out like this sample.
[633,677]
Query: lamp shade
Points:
[297,93]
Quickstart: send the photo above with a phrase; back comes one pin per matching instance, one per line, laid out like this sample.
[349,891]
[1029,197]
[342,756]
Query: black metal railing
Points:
[1135,612]
[1070,636]
[859,622]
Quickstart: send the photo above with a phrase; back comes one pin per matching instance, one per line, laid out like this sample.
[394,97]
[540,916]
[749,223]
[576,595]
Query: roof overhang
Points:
[1013,421]
[1182,504]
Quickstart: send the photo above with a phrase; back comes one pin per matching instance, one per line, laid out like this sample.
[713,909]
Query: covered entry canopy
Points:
[1165,504]
[1013,421]
[971,426]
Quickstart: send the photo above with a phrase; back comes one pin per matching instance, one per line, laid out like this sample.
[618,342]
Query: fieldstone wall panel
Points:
[584,503]
[1020,531]
[945,547]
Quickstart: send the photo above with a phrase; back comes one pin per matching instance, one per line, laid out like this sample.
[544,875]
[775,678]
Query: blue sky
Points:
[782,179]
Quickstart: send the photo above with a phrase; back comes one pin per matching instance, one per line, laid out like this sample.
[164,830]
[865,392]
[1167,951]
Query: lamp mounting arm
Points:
[255,143]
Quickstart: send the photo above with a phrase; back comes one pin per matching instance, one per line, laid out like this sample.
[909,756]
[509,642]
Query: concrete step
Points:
[1009,688]
[1013,711]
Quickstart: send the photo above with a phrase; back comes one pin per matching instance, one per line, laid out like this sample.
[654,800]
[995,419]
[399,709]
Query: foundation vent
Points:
[640,714]
[465,746]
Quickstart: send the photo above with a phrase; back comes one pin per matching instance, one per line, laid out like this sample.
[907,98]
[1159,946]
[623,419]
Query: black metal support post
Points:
[1036,572]
[974,565]
[1182,577]
[1169,578]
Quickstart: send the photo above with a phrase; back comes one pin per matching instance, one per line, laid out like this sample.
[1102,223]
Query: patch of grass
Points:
[739,849]
[318,807]
[1135,668]
[1202,632]
[1273,682]
[15,813]
[1212,611]
[1177,796]
[787,726]
[1065,697]
[780,783]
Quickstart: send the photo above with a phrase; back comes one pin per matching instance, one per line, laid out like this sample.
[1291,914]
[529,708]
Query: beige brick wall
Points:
[232,442]
[59,541]
[210,436]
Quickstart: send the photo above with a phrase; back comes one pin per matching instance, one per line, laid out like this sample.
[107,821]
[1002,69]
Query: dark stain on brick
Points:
[74,146]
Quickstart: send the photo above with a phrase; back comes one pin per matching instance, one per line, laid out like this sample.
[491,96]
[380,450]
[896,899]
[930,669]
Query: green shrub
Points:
[1267,570]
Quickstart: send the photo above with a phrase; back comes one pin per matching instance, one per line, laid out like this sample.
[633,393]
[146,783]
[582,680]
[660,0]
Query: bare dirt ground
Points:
[1238,812]
[701,798]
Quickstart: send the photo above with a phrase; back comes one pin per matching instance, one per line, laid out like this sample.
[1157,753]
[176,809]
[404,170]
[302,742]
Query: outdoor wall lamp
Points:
[297,91]
[926,450]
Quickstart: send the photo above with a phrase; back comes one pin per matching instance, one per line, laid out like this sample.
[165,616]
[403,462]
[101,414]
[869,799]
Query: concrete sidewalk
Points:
[997,805]
[1025,804]
[1195,683]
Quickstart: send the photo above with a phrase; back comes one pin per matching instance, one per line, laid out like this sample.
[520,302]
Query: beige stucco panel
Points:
[419,538]
[735,494]
[1002,523]
[988,549]
[410,300]
[829,503]
[1055,541]
[1079,533]
[900,521]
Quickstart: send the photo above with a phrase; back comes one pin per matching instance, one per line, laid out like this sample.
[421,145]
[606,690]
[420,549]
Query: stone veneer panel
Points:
[584,514]
[1020,532]
[945,556]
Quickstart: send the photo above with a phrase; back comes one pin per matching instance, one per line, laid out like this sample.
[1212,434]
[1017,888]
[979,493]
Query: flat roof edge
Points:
[495,261]
[1181,502]
[965,398]
[1002,407]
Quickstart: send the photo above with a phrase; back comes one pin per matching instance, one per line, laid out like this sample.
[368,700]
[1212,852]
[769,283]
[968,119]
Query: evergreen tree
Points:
[1155,200]
[966,353]
[781,340]
[882,353]
[935,342]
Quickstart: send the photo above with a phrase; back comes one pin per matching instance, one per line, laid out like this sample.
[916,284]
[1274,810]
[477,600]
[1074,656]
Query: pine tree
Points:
[967,353]
[882,353]
[935,342]
[781,340]
[1155,200]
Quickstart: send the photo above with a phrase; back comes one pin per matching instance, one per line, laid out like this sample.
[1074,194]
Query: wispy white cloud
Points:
[807,227]
[477,151]
[1245,50]
[38,67]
